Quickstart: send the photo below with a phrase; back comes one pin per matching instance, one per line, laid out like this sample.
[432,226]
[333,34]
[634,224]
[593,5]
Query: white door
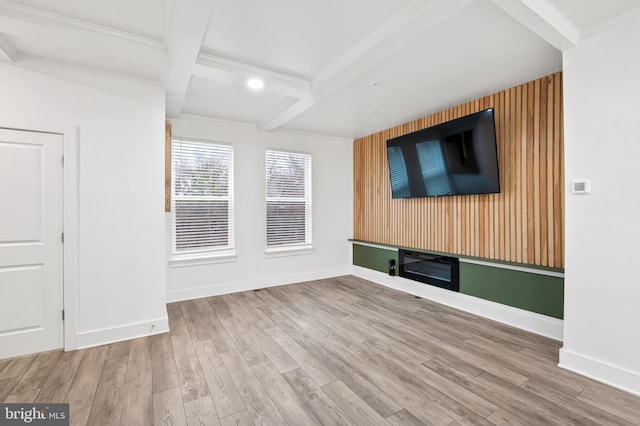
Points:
[30,242]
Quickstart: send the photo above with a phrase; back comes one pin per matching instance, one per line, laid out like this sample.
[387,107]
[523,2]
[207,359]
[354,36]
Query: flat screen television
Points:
[458,157]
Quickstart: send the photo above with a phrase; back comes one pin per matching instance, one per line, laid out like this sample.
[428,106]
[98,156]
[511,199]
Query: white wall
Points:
[121,282]
[602,143]
[332,212]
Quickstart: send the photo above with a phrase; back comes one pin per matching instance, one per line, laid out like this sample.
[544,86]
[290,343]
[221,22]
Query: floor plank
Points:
[106,408]
[286,399]
[38,373]
[118,349]
[243,342]
[201,412]
[57,385]
[357,410]
[17,367]
[168,409]
[219,335]
[195,320]
[25,397]
[362,386]
[404,418]
[223,391]
[237,419]
[139,352]
[192,382]
[4,363]
[435,402]
[163,365]
[259,405]
[271,349]
[85,382]
[613,401]
[323,407]
[319,373]
[137,408]
[591,411]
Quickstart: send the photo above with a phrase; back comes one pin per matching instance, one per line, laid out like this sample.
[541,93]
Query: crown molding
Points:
[36,16]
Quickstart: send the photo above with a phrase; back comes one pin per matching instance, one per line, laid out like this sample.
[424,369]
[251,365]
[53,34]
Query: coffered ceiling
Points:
[338,67]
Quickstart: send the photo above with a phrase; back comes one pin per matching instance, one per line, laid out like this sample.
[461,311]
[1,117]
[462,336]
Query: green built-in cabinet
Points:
[540,291]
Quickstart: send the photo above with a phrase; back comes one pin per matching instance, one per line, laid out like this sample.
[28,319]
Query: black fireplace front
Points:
[434,269]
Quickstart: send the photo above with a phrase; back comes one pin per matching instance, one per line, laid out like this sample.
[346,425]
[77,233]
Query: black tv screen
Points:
[458,157]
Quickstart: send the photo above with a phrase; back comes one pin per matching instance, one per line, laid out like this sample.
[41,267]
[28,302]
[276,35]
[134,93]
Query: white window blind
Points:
[288,199]
[202,202]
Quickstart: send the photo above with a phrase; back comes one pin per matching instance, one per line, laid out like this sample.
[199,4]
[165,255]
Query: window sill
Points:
[184,261]
[289,251]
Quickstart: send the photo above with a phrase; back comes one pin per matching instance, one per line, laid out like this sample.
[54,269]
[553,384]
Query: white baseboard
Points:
[601,371]
[124,332]
[529,321]
[238,286]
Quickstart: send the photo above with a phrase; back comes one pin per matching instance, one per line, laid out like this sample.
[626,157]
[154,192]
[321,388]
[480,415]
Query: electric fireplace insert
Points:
[433,269]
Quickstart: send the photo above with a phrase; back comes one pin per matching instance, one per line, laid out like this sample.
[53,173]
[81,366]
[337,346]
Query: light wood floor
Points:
[336,351]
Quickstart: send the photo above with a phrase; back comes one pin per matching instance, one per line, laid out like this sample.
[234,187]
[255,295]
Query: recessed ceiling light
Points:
[255,83]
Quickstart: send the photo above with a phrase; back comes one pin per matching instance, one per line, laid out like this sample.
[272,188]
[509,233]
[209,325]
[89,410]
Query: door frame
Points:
[70,189]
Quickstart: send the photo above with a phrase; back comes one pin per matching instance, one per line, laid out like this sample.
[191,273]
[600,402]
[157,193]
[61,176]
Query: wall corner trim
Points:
[601,371]
[515,317]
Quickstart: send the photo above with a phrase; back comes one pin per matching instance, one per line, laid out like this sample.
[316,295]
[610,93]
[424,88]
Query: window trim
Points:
[209,259]
[289,250]
[220,254]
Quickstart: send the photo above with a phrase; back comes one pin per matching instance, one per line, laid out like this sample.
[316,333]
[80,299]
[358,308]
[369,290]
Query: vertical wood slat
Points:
[167,166]
[558,172]
[512,183]
[523,223]
[522,174]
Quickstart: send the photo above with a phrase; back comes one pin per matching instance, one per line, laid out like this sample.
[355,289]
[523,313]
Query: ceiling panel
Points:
[479,51]
[140,17]
[210,98]
[295,37]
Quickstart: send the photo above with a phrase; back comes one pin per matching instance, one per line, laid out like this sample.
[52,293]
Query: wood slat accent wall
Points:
[522,224]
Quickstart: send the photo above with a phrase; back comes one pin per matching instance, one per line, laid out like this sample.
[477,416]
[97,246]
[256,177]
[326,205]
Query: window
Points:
[288,201]
[202,202]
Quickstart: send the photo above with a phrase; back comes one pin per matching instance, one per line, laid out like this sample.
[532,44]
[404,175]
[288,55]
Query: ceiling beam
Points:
[237,73]
[7,50]
[184,38]
[414,20]
[543,19]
